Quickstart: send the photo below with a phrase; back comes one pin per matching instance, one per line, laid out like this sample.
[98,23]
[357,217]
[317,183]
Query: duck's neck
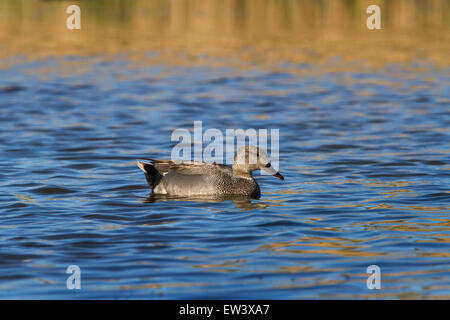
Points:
[241,172]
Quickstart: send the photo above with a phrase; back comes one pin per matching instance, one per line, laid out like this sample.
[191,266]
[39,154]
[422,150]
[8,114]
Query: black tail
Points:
[151,174]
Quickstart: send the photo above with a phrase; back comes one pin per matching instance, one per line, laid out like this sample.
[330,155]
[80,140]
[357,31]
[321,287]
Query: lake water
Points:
[364,152]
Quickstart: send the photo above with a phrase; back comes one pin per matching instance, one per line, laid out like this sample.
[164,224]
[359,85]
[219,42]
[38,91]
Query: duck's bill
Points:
[279,176]
[273,172]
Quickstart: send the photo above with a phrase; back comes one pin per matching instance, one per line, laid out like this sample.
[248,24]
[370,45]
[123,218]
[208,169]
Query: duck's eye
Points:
[268,165]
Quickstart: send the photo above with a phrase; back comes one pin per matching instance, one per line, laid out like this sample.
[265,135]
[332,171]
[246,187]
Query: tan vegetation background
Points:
[255,31]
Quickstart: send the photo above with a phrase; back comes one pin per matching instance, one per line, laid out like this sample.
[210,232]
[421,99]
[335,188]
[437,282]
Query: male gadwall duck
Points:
[193,178]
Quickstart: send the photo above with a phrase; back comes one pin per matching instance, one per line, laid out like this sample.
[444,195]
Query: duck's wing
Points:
[187,167]
[162,166]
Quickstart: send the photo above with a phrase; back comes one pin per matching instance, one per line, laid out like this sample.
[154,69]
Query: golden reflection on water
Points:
[162,285]
[321,245]
[255,31]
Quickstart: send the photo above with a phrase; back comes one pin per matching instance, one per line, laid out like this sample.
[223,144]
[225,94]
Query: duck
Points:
[196,178]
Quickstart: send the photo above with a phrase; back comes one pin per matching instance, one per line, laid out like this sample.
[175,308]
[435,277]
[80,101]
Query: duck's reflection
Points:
[240,202]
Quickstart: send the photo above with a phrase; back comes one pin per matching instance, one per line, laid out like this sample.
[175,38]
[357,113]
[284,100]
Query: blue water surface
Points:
[364,153]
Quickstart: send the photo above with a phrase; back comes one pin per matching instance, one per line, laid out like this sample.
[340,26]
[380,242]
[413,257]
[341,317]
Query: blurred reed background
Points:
[255,31]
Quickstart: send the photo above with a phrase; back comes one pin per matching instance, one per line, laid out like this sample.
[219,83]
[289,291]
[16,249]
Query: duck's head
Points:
[250,158]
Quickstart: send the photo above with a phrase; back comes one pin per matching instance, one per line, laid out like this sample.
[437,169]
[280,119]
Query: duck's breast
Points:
[239,186]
